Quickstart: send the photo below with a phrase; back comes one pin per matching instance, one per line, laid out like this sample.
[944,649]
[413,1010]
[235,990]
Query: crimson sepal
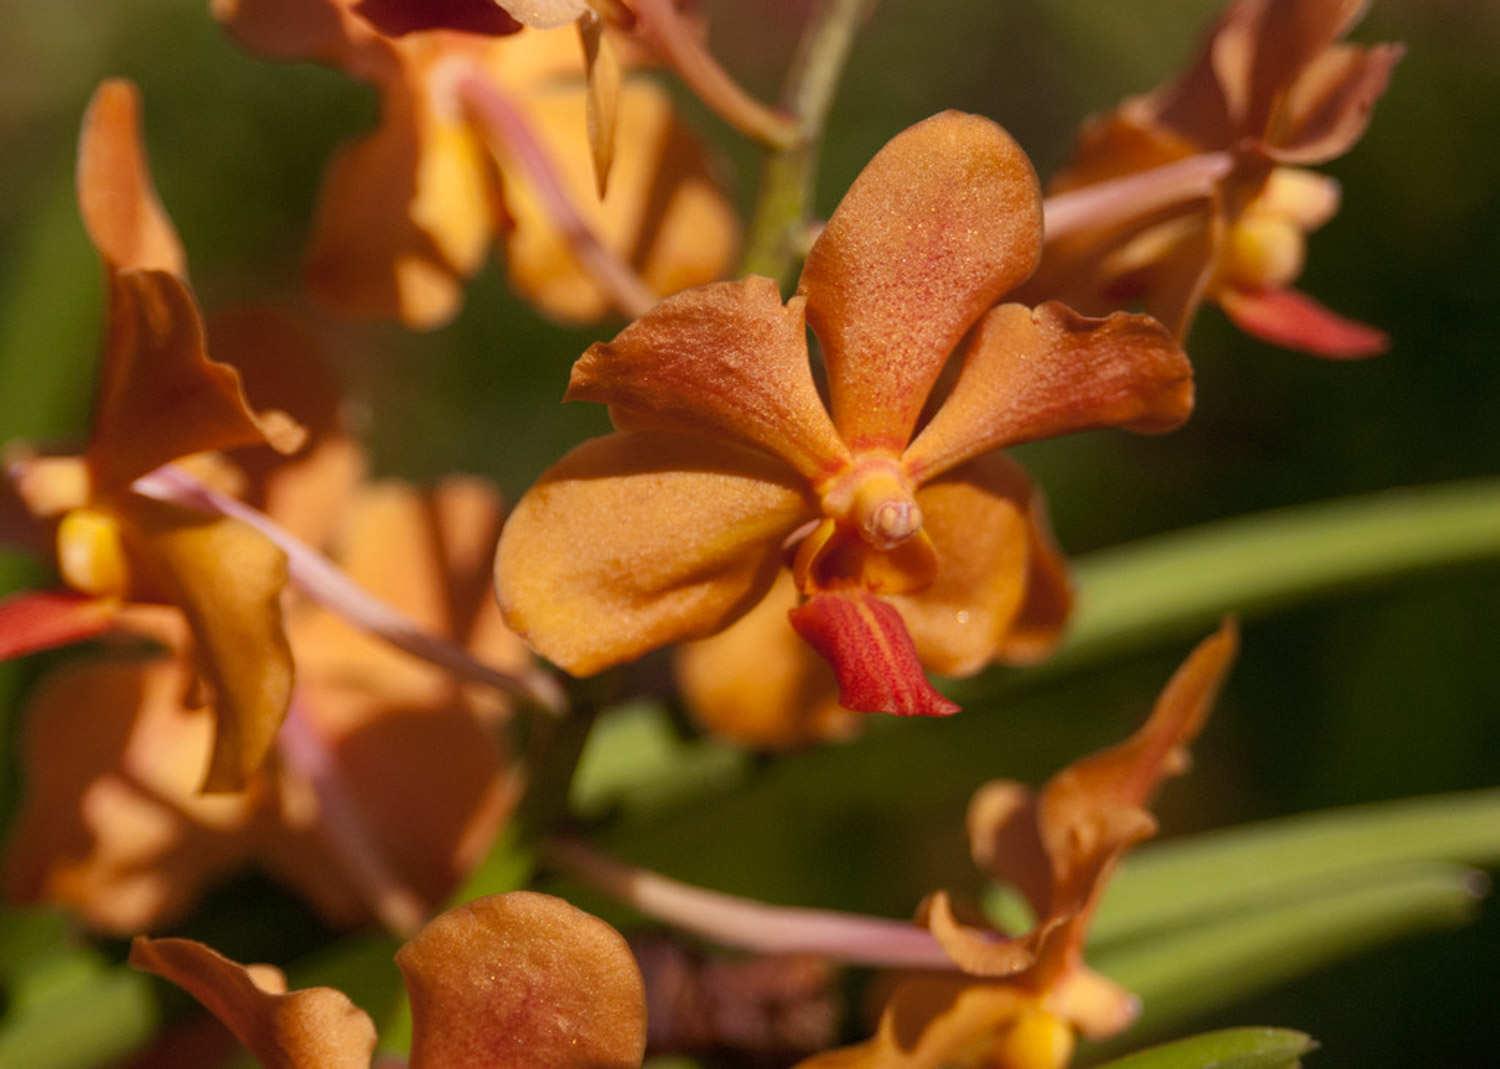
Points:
[865,641]
[45,619]
[1293,320]
[396,18]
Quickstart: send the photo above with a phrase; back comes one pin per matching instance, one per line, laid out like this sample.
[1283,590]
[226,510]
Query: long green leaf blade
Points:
[1232,1048]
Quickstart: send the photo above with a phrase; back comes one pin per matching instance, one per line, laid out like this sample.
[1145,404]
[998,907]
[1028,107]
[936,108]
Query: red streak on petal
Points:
[1294,320]
[866,643]
[45,619]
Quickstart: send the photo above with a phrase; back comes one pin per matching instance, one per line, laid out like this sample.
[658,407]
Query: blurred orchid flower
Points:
[161,398]
[905,548]
[481,140]
[392,778]
[1020,1001]
[1272,91]
[513,980]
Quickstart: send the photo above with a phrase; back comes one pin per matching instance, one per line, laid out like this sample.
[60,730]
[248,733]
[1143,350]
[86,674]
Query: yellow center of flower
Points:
[91,554]
[876,499]
[1037,1040]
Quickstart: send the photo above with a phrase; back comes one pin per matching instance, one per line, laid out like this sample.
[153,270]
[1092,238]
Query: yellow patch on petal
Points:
[227,578]
[637,540]
[91,554]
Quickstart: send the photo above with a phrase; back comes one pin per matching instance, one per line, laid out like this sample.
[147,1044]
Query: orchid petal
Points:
[944,220]
[1290,35]
[1039,374]
[865,642]
[758,684]
[316,1028]
[603,76]
[121,210]
[682,536]
[1293,320]
[42,620]
[726,358]
[227,579]
[320,30]
[978,951]
[406,214]
[519,980]
[544,14]
[161,397]
[1330,106]
[664,217]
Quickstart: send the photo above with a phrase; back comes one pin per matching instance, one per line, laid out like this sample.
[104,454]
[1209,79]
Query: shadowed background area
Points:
[1381,693]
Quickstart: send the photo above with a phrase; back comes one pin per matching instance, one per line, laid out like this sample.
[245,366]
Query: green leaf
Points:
[1233,1048]
[1183,973]
[1178,883]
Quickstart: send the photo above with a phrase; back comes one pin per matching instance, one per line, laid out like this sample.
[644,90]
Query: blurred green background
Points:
[1380,694]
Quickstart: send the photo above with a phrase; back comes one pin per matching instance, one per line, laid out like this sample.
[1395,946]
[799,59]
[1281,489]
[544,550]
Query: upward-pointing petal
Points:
[726,358]
[943,221]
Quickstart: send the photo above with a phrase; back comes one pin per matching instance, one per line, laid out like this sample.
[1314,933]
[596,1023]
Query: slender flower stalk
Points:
[1108,203]
[748,925]
[680,46]
[306,754]
[780,224]
[510,131]
[322,581]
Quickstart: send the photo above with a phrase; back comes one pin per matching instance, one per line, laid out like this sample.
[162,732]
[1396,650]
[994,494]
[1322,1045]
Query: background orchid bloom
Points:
[728,466]
[1021,1000]
[1274,86]
[408,214]
[110,825]
[512,981]
[160,399]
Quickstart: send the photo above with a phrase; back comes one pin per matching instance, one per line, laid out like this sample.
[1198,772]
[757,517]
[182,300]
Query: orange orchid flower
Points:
[1274,88]
[408,213]
[512,981]
[391,781]
[160,399]
[728,465]
[1021,1001]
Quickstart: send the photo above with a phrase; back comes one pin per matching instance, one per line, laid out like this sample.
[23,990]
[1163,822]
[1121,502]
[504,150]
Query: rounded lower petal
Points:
[520,980]
[943,221]
[1033,374]
[640,539]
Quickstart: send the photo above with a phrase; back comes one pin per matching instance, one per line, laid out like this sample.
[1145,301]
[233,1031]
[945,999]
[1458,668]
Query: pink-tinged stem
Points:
[306,754]
[322,581]
[739,922]
[1134,196]
[679,45]
[510,129]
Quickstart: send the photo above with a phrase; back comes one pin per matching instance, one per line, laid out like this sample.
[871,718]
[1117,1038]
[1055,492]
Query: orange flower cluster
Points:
[807,496]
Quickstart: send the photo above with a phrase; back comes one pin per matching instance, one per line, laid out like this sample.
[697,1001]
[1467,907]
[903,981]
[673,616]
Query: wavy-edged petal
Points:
[227,579]
[944,220]
[315,1028]
[121,211]
[161,397]
[1293,320]
[865,642]
[406,214]
[1031,374]
[520,980]
[665,215]
[639,539]
[725,358]
[758,684]
[1330,106]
